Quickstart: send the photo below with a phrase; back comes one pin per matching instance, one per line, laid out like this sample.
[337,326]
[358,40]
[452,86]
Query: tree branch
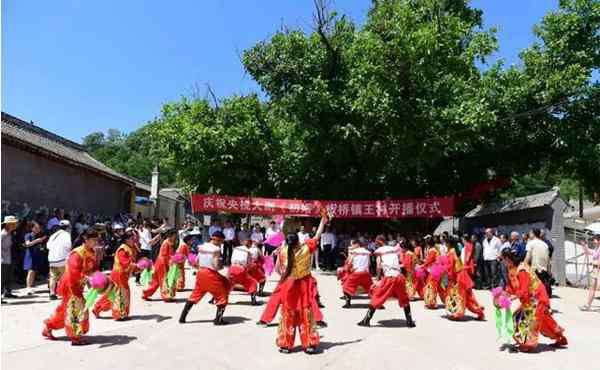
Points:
[213,95]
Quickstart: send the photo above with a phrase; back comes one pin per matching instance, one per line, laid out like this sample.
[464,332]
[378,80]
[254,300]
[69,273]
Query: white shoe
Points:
[29,291]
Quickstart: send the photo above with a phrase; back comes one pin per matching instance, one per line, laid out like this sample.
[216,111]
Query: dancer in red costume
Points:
[275,301]
[467,256]
[391,284]
[433,286]
[238,271]
[161,267]
[534,316]
[71,314]
[184,249]
[209,280]
[359,261]
[123,266]
[459,294]
[255,267]
[298,293]
[408,259]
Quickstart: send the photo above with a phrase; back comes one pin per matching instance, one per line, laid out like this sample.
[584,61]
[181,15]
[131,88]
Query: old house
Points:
[41,171]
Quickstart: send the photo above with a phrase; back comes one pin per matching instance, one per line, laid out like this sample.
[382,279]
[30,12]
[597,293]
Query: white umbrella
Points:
[594,228]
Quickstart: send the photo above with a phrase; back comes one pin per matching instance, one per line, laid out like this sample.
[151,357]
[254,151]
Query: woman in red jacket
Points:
[123,266]
[71,314]
[184,249]
[409,263]
[161,268]
[432,287]
[459,294]
[533,316]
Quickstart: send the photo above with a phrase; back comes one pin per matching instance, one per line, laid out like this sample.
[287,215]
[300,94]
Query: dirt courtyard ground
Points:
[153,339]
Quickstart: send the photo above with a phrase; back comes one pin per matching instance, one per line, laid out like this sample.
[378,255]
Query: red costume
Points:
[433,286]
[409,262]
[255,267]
[159,276]
[208,279]
[469,260]
[123,267]
[459,294]
[274,302]
[357,272]
[71,313]
[238,272]
[298,293]
[184,249]
[393,284]
[533,316]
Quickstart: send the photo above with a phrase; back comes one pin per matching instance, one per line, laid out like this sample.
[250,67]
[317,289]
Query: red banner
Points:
[390,208]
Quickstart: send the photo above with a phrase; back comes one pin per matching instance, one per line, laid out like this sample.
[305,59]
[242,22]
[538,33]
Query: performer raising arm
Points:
[297,292]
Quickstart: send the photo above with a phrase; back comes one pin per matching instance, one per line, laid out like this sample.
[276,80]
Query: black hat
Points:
[218,234]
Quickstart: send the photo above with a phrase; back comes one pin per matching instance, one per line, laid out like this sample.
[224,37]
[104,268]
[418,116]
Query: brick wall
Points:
[42,182]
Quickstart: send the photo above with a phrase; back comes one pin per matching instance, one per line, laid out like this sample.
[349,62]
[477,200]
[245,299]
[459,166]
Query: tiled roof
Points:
[34,137]
[516,204]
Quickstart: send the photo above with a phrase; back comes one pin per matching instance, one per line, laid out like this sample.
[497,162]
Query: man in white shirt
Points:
[209,280]
[271,230]
[59,247]
[358,266]
[244,232]
[392,285]
[329,250]
[146,243]
[491,251]
[214,227]
[238,272]
[538,257]
[229,232]
[257,235]
[302,234]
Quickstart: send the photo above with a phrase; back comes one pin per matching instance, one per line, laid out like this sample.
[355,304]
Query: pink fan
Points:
[98,281]
[268,265]
[192,259]
[497,291]
[178,258]
[275,240]
[504,301]
[144,263]
[420,273]
[437,270]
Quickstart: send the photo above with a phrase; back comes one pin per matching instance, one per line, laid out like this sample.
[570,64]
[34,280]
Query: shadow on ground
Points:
[156,317]
[232,320]
[393,323]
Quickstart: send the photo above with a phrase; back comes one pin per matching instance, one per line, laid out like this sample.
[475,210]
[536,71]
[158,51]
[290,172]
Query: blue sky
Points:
[76,67]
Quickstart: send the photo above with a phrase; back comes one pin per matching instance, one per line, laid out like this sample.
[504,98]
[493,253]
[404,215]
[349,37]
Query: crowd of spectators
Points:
[35,250]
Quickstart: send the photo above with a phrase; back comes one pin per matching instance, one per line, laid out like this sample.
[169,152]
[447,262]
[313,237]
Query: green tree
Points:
[405,105]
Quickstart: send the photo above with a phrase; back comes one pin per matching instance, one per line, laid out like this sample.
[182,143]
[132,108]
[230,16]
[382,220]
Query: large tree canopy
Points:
[405,105]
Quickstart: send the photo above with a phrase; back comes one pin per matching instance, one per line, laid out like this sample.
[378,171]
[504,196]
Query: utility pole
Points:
[154,191]
[580,201]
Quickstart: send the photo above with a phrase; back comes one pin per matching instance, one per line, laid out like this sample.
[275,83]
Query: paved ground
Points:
[153,339]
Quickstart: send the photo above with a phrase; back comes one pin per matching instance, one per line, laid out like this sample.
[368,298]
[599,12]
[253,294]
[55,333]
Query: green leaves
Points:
[402,106]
